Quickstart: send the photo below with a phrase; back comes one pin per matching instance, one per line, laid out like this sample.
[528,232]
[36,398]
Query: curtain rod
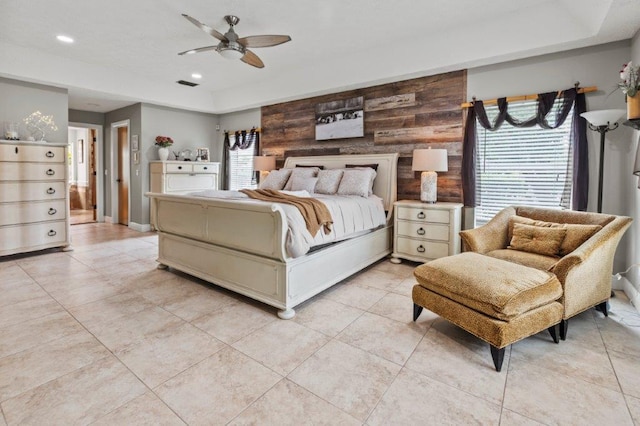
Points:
[257,129]
[526,97]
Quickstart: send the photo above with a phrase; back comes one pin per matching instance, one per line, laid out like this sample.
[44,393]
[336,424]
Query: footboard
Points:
[245,226]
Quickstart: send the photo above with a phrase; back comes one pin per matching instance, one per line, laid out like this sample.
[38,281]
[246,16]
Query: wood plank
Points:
[390,102]
[443,133]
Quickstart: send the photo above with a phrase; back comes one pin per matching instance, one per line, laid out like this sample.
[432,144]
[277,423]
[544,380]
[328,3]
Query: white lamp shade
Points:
[432,160]
[603,117]
[263,163]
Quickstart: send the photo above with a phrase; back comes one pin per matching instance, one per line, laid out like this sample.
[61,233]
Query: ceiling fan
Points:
[231,46]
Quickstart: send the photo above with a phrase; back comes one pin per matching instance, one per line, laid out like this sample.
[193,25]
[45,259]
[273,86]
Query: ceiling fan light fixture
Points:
[231,51]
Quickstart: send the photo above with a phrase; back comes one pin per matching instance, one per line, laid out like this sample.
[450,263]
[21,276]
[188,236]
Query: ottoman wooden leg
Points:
[498,357]
[554,334]
[417,310]
[602,307]
[564,325]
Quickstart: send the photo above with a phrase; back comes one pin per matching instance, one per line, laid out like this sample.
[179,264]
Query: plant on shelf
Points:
[38,124]
[630,85]
[164,141]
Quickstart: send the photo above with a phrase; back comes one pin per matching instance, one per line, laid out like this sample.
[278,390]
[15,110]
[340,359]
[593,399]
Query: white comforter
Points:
[352,216]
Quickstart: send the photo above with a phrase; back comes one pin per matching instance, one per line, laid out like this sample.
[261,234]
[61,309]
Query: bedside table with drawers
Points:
[424,231]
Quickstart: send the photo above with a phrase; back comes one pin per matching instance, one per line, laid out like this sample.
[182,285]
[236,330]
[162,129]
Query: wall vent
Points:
[186,83]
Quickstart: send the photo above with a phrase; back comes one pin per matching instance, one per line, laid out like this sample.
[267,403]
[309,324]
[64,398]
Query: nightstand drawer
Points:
[424,215]
[423,230]
[424,249]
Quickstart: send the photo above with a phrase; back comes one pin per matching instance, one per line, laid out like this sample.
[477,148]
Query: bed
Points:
[241,246]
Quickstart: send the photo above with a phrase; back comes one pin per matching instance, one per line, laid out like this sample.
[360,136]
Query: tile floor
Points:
[100,336]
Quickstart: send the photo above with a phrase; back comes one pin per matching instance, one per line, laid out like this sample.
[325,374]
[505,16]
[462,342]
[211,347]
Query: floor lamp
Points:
[600,121]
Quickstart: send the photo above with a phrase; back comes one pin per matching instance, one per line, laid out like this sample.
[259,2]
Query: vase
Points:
[633,107]
[163,153]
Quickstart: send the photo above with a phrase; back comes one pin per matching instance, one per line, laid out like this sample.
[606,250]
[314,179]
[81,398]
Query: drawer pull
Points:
[421,215]
[52,211]
[206,168]
[420,231]
[179,167]
[50,154]
[420,249]
[51,191]
[51,233]
[50,172]
[16,149]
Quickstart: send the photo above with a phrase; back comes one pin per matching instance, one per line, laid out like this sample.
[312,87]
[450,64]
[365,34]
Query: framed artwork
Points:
[340,119]
[203,154]
[80,151]
[135,146]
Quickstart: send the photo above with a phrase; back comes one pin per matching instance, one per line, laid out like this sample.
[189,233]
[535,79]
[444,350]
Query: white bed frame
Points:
[241,246]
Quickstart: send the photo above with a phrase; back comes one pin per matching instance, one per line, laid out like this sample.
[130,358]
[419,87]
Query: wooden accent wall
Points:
[398,117]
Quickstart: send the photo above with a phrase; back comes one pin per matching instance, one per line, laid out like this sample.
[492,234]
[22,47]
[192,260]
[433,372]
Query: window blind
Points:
[241,174]
[522,166]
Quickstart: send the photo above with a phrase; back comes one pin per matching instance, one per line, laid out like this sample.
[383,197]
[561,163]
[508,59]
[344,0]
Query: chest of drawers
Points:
[424,232]
[181,177]
[34,200]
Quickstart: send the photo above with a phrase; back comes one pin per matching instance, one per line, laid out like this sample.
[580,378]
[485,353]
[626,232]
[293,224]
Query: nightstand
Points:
[424,232]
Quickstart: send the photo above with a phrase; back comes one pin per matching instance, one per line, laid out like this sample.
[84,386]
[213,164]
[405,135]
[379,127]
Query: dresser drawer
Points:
[180,168]
[42,154]
[32,237]
[187,183]
[424,215]
[205,168]
[40,211]
[32,191]
[423,230]
[32,171]
[422,249]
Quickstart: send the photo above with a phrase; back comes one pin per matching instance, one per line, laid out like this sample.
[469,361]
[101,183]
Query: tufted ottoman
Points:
[498,301]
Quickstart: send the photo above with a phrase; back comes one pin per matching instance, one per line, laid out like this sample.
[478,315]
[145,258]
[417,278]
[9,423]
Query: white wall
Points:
[594,66]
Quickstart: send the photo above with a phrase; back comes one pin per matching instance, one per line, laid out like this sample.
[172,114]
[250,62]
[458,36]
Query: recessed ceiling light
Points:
[64,39]
[196,75]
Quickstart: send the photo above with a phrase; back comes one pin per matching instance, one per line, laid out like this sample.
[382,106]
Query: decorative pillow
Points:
[276,179]
[576,234]
[303,183]
[304,165]
[355,182]
[303,172]
[373,166]
[537,239]
[328,181]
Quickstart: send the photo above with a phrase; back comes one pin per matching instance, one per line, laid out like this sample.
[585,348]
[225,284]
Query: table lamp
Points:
[429,161]
[263,164]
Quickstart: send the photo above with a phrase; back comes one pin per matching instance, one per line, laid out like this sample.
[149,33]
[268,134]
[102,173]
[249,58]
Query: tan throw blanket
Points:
[314,212]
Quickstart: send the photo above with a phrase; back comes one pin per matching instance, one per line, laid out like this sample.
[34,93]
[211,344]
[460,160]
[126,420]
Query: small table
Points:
[424,231]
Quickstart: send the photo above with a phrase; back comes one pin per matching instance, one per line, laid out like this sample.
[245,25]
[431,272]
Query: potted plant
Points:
[164,142]
[630,86]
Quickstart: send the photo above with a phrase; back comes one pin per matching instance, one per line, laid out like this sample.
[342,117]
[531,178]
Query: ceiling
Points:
[125,51]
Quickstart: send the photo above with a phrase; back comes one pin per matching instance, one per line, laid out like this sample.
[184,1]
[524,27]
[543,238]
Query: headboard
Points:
[385,186]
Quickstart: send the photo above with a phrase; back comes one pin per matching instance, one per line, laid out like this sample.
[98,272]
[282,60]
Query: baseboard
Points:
[140,227]
[632,293]
[108,219]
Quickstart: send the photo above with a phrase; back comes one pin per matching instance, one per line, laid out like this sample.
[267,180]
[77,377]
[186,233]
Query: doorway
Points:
[83,168]
[120,165]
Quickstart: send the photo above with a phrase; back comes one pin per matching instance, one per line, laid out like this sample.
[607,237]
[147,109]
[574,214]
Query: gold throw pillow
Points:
[537,239]
[576,234]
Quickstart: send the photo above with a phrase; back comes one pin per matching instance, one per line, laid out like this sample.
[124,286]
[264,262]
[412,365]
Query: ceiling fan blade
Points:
[252,59]
[207,29]
[198,50]
[263,40]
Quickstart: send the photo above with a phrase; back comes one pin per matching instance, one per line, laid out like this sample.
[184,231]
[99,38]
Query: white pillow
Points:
[328,181]
[371,170]
[303,183]
[276,179]
[355,182]
[303,172]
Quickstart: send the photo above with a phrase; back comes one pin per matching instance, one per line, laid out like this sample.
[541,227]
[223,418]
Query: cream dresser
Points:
[424,232]
[34,198]
[180,177]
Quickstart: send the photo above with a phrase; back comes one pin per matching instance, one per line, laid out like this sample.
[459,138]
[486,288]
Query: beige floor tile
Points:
[389,339]
[401,270]
[405,287]
[452,356]
[80,397]
[145,410]
[33,367]
[376,279]
[281,345]
[627,369]
[20,292]
[118,260]
[233,322]
[561,399]
[400,308]
[326,316]
[617,335]
[289,404]
[414,399]
[509,418]
[583,330]
[89,255]
[2,420]
[361,297]
[202,301]
[165,353]
[217,389]
[634,408]
[25,335]
[12,275]
[349,378]
[28,310]
[68,281]
[105,310]
[149,251]
[90,292]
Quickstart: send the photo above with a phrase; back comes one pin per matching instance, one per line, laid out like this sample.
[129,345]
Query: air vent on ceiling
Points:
[186,83]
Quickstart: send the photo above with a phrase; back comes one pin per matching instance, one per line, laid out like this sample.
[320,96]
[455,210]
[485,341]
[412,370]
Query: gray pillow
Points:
[328,181]
[303,184]
[303,172]
[276,179]
[355,182]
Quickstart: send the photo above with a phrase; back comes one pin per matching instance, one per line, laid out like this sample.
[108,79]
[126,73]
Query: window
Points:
[522,166]
[241,174]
